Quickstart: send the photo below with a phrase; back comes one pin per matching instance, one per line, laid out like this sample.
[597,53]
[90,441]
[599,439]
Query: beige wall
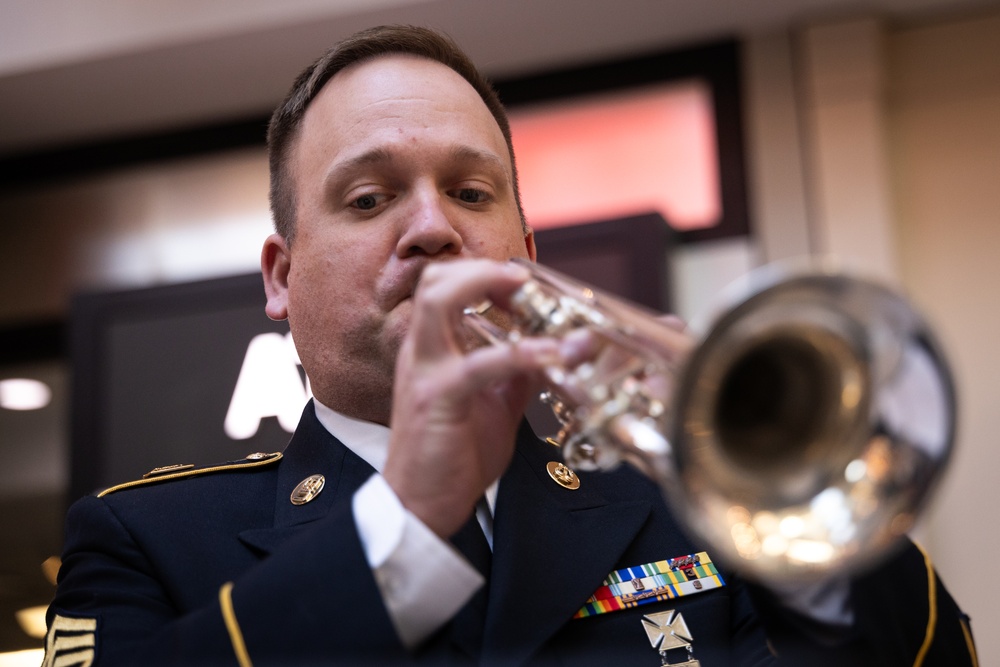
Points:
[897,132]
[943,113]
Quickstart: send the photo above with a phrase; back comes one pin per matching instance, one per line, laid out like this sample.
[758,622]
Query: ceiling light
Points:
[32,620]
[24,394]
[30,658]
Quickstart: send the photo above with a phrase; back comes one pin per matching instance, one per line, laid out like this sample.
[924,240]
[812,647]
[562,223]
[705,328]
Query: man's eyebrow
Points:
[470,154]
[351,164]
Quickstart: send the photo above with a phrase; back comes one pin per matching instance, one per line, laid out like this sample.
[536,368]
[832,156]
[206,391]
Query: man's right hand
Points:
[455,413]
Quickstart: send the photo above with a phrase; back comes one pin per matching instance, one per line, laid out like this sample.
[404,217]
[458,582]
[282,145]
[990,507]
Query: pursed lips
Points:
[403,285]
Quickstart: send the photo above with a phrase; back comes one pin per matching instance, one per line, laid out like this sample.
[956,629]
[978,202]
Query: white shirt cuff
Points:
[423,580]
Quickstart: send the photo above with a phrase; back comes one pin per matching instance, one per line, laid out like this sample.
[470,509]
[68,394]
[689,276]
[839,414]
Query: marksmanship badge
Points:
[668,632]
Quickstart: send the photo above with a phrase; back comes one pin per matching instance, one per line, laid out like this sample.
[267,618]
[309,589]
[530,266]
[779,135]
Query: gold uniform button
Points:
[308,489]
[563,476]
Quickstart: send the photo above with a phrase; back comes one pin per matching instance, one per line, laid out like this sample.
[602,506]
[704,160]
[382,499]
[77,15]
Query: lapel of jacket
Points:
[312,450]
[553,547]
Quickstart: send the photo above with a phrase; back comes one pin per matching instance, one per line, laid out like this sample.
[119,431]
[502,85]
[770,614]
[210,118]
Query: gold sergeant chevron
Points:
[70,642]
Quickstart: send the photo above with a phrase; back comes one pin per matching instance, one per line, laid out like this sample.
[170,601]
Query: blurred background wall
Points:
[872,132]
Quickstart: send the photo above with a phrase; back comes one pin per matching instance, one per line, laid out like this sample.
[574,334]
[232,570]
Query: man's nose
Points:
[427,228]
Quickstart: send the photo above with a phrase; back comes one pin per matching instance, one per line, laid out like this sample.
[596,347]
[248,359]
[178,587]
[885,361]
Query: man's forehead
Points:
[378,88]
[398,76]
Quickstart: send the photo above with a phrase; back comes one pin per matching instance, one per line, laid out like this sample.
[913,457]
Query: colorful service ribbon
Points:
[653,582]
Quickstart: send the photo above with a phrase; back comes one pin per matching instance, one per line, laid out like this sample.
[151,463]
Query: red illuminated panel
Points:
[612,156]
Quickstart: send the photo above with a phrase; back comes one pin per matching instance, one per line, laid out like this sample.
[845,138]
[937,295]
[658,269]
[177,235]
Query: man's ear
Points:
[529,244]
[275,264]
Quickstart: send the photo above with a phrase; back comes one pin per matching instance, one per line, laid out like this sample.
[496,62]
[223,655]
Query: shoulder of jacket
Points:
[187,470]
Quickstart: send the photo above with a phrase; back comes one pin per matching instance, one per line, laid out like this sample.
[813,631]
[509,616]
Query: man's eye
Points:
[472,196]
[366,202]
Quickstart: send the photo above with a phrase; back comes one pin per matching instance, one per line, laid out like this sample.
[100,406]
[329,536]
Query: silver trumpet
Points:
[799,437]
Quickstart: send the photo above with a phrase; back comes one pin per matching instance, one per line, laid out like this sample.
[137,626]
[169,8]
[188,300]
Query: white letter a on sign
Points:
[268,386]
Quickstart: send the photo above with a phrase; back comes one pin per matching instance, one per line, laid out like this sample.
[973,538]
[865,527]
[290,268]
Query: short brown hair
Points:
[365,45]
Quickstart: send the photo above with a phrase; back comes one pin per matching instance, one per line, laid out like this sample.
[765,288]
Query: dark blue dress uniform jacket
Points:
[148,564]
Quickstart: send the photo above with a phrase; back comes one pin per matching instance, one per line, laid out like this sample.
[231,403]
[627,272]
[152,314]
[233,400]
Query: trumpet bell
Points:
[815,417]
[799,437]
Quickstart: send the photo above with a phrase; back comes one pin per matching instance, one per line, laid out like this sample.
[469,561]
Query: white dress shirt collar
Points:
[367,439]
